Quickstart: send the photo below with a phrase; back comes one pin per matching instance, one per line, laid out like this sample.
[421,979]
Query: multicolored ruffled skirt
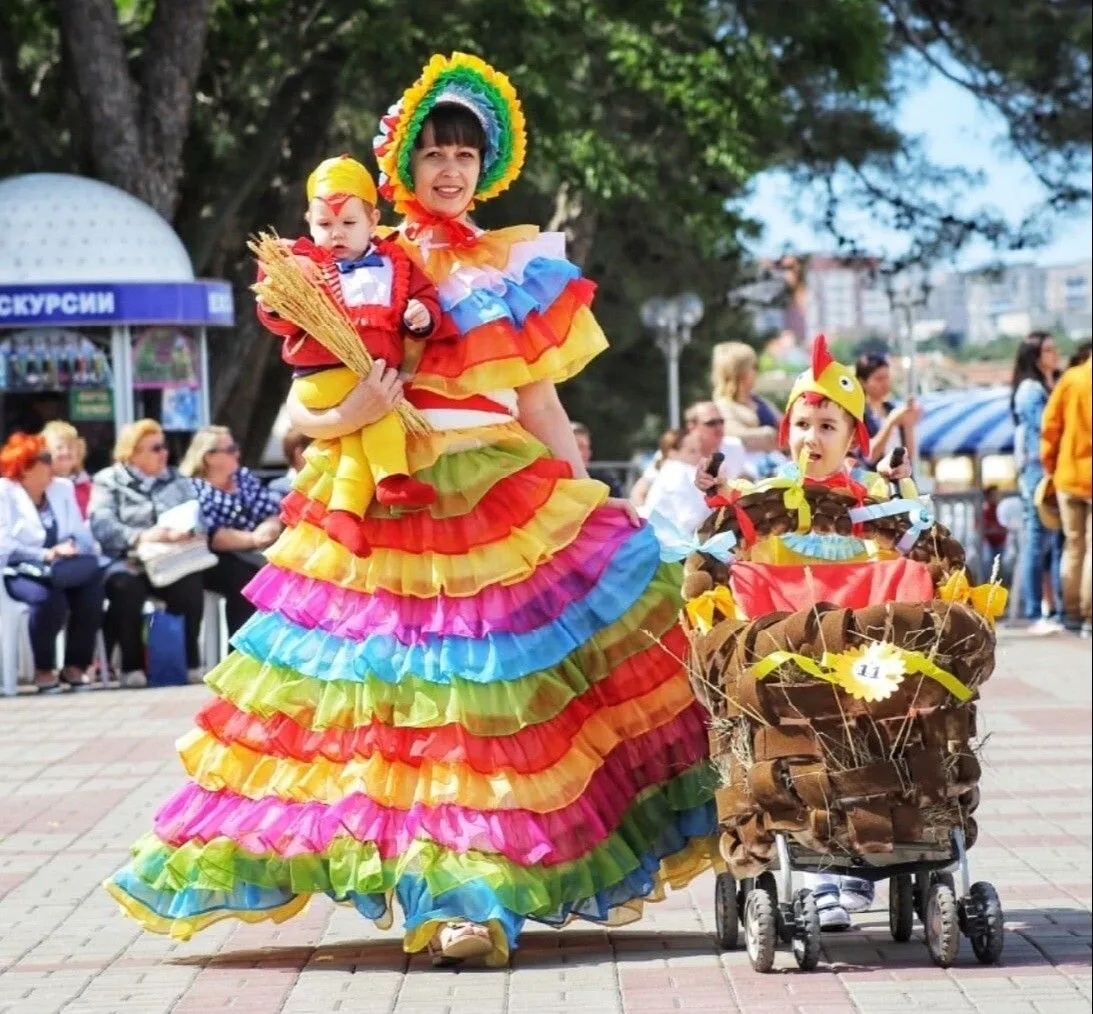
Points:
[487,719]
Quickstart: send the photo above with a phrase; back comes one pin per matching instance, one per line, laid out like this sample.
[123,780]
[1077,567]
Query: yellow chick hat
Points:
[827,378]
[342,177]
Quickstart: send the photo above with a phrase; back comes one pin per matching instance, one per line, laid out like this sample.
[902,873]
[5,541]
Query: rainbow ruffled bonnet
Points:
[467,81]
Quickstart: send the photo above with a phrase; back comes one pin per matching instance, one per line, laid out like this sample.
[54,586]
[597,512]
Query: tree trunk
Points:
[251,379]
[578,223]
[136,131]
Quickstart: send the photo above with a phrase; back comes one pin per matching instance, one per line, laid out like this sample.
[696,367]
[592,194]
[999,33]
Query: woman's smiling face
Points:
[445,176]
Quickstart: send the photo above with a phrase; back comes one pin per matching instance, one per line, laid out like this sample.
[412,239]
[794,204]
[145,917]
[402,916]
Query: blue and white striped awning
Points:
[974,420]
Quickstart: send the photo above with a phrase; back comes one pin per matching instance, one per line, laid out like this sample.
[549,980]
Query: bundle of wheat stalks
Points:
[288,293]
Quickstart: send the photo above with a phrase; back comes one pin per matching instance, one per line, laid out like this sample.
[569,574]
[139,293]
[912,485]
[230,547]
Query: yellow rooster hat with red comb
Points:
[827,378]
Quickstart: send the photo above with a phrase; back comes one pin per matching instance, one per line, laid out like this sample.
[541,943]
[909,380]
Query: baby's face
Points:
[342,227]
[824,432]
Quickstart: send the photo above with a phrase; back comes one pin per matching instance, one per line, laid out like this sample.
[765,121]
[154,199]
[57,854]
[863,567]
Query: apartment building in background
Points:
[846,299]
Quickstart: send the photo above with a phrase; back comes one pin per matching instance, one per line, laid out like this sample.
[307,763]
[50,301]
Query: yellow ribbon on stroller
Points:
[839,668]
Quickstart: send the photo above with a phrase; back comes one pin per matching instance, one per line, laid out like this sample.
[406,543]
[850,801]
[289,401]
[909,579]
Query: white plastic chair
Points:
[16,657]
[16,664]
[214,630]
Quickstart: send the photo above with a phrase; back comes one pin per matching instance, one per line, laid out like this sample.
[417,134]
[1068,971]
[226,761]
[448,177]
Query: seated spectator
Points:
[67,451]
[293,445]
[127,498]
[583,436]
[51,562]
[706,419]
[238,513]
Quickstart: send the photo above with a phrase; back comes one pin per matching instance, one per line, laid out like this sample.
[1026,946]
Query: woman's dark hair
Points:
[1080,354]
[868,364]
[1026,365]
[453,124]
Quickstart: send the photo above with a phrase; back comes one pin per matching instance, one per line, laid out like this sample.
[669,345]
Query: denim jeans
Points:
[77,610]
[1041,550]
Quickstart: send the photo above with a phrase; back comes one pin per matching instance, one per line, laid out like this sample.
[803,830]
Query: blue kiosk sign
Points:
[122,306]
[204,302]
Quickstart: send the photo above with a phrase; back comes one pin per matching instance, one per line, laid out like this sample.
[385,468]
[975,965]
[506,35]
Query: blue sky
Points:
[956,131]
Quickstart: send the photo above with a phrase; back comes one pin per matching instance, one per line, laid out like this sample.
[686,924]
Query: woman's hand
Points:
[369,401]
[908,414]
[624,505]
[61,550]
[266,533]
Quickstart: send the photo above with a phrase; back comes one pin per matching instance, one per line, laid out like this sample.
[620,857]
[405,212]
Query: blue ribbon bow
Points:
[369,260]
[918,513]
[676,544]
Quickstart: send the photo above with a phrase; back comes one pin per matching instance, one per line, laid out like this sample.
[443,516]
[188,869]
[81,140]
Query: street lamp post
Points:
[672,320]
[908,291]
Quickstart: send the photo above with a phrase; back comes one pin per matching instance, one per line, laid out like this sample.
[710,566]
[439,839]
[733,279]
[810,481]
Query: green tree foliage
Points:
[648,120]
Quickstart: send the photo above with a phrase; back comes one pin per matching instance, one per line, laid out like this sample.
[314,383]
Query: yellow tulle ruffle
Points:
[308,550]
[214,765]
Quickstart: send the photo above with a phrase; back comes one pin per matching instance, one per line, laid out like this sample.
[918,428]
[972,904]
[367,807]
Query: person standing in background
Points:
[1066,453]
[1034,372]
[882,418]
[748,417]
[994,532]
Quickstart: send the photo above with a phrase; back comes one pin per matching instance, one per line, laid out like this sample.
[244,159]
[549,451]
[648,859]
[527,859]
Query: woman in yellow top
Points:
[487,718]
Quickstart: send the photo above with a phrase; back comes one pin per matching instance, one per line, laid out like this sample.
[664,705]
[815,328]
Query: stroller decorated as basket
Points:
[841,682]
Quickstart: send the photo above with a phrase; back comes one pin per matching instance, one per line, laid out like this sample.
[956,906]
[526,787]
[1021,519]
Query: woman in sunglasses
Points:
[127,499]
[49,562]
[239,513]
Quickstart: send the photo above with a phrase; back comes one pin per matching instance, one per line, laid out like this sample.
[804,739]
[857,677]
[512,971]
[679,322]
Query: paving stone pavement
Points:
[81,775]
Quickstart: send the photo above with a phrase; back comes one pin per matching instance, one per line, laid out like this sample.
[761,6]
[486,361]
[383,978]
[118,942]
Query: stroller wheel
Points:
[760,929]
[726,914]
[942,924]
[806,933]
[985,923]
[901,907]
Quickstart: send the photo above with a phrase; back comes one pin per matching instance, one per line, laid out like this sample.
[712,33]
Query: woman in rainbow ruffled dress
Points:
[487,718]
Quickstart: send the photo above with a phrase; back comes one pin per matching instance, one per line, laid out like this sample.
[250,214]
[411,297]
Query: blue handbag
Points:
[165,649]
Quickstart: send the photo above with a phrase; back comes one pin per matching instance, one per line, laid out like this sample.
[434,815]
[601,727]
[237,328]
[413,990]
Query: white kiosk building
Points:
[101,318]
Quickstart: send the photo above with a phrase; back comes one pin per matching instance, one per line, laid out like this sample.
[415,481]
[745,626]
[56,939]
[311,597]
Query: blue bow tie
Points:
[369,260]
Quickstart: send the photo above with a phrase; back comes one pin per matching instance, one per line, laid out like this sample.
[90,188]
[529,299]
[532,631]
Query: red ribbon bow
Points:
[451,231]
[747,529]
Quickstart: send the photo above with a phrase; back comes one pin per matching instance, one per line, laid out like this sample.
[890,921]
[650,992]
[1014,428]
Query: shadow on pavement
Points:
[1035,938]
